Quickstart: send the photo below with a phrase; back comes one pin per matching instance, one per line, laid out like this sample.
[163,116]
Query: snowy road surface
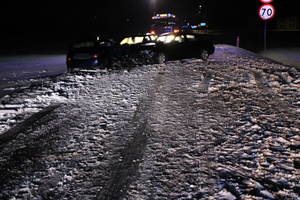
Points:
[31,66]
[24,67]
[227,128]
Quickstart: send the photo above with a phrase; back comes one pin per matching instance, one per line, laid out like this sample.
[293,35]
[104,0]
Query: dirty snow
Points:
[227,128]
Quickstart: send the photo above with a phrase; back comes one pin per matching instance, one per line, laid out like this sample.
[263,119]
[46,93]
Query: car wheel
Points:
[160,58]
[204,55]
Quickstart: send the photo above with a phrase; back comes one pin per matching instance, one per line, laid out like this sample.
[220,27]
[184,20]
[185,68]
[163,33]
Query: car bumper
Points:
[86,64]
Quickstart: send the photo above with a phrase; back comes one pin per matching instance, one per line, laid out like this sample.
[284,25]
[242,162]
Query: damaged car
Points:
[93,53]
[138,48]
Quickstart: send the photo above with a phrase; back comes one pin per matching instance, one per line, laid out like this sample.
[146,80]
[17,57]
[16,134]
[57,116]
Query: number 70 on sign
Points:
[266,12]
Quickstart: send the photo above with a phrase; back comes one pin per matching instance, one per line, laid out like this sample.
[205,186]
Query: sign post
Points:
[266,12]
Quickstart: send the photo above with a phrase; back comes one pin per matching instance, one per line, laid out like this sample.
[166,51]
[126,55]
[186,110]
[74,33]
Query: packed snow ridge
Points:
[226,128]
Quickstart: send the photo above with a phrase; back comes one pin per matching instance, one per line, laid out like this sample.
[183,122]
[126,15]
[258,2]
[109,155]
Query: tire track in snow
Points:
[204,85]
[127,169]
[13,132]
[277,105]
[276,140]
[174,145]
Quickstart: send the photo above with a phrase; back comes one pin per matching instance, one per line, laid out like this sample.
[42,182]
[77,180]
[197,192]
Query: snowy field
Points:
[227,128]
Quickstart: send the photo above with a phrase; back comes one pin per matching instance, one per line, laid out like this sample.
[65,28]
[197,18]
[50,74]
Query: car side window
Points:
[191,38]
[179,38]
[138,39]
[153,37]
[169,38]
[146,39]
[161,39]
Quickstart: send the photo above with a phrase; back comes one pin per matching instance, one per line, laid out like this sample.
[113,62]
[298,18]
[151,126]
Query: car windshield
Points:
[132,40]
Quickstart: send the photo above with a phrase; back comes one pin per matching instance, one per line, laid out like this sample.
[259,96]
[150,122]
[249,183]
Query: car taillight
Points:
[95,56]
[176,31]
[69,58]
[152,32]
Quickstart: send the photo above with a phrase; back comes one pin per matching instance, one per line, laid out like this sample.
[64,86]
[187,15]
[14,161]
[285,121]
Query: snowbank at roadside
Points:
[288,56]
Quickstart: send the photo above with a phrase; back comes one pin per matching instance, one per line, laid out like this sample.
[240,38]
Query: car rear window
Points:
[105,43]
[83,45]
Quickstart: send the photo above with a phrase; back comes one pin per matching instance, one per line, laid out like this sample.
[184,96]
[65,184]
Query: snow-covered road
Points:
[21,67]
[227,128]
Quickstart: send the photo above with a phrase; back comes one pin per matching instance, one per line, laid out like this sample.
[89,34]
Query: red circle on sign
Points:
[266,1]
[266,12]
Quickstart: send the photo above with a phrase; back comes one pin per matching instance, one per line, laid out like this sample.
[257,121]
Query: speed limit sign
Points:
[266,12]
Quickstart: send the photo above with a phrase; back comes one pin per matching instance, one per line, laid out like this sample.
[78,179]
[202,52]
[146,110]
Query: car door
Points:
[175,46]
[193,45]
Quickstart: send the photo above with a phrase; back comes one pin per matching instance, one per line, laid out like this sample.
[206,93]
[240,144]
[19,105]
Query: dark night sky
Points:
[127,16]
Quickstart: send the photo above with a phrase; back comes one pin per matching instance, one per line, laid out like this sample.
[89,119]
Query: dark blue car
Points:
[93,53]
